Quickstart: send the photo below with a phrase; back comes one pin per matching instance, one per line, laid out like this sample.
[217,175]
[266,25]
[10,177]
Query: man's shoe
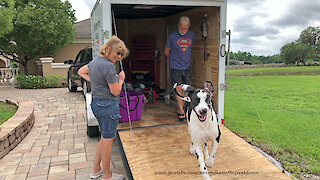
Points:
[97,175]
[181,117]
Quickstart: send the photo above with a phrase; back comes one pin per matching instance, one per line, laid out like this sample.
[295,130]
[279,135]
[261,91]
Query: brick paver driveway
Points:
[57,147]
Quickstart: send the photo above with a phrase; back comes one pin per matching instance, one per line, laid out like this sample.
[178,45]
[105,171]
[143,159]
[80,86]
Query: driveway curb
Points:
[15,129]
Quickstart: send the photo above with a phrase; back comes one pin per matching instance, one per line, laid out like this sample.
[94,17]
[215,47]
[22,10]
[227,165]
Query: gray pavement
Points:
[57,147]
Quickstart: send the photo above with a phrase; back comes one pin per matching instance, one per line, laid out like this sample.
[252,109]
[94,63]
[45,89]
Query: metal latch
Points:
[222,86]
[226,33]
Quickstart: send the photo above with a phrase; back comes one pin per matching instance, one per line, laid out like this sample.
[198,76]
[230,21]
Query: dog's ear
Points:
[208,86]
[187,89]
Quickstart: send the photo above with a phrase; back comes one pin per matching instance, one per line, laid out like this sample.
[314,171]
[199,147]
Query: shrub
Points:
[30,82]
[55,81]
[39,82]
[14,65]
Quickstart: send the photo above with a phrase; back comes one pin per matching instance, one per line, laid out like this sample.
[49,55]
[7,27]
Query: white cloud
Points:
[263,27]
[82,7]
[90,3]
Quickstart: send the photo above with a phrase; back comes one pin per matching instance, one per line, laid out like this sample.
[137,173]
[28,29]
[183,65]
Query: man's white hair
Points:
[184,19]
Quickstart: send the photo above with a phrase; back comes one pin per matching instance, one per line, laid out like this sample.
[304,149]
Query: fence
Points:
[7,75]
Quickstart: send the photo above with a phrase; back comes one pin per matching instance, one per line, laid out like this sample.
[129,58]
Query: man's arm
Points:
[167,52]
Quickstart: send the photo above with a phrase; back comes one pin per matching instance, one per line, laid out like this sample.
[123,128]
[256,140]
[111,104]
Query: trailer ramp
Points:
[161,151]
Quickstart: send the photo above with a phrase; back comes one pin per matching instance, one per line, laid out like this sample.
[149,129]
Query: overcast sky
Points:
[260,27]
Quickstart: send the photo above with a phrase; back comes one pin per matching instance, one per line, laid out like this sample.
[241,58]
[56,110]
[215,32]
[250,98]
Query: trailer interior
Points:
[144,29]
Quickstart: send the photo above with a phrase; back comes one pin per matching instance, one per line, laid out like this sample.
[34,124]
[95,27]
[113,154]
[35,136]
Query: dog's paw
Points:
[192,151]
[209,163]
[206,177]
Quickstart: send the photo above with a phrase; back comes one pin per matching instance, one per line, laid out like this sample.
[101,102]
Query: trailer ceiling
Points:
[134,11]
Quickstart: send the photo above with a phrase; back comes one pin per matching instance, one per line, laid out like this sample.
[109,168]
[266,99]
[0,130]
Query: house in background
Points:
[54,65]
[82,40]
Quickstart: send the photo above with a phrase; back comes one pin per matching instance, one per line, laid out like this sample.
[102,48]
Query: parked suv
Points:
[75,81]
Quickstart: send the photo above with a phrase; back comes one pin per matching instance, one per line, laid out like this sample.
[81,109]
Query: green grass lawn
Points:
[290,70]
[6,111]
[280,114]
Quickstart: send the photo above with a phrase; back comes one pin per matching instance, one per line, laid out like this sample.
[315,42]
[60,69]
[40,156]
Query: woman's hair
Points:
[115,44]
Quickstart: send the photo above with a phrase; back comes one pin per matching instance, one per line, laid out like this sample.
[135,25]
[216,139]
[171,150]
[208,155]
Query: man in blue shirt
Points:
[178,51]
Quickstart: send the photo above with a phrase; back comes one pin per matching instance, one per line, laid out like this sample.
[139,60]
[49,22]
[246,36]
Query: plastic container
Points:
[135,106]
[151,96]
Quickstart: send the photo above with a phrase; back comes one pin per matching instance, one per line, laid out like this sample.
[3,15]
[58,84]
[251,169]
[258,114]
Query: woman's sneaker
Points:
[97,175]
[115,177]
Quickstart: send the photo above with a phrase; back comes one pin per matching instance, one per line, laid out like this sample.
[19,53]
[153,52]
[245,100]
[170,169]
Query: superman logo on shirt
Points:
[184,43]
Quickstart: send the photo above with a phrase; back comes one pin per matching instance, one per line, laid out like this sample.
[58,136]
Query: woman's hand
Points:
[121,76]
[115,88]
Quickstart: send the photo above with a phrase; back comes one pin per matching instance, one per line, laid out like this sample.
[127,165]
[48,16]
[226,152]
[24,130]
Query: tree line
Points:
[305,48]
[248,58]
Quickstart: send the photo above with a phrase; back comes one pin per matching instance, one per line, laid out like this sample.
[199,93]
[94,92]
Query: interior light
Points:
[141,6]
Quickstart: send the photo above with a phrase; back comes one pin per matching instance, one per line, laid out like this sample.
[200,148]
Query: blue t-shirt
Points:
[180,49]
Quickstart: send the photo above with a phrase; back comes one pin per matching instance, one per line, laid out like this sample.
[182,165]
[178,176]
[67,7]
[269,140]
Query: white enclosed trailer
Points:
[160,151]
[156,18]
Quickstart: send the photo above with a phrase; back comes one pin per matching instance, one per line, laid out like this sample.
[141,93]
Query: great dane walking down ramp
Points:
[202,124]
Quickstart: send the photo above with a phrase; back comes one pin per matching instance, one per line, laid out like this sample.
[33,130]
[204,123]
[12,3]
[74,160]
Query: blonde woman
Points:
[106,86]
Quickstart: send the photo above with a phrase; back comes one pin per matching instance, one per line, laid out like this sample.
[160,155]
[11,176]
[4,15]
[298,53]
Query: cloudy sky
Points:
[260,27]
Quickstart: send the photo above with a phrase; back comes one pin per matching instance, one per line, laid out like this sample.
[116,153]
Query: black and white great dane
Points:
[202,124]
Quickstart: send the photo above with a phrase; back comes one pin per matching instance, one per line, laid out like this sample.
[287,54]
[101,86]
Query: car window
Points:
[79,56]
[87,55]
[83,56]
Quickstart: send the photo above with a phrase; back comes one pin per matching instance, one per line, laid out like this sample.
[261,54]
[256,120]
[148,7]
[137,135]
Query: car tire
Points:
[92,131]
[72,88]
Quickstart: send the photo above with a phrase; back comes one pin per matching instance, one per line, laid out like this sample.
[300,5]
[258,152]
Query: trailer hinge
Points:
[222,86]
[225,33]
